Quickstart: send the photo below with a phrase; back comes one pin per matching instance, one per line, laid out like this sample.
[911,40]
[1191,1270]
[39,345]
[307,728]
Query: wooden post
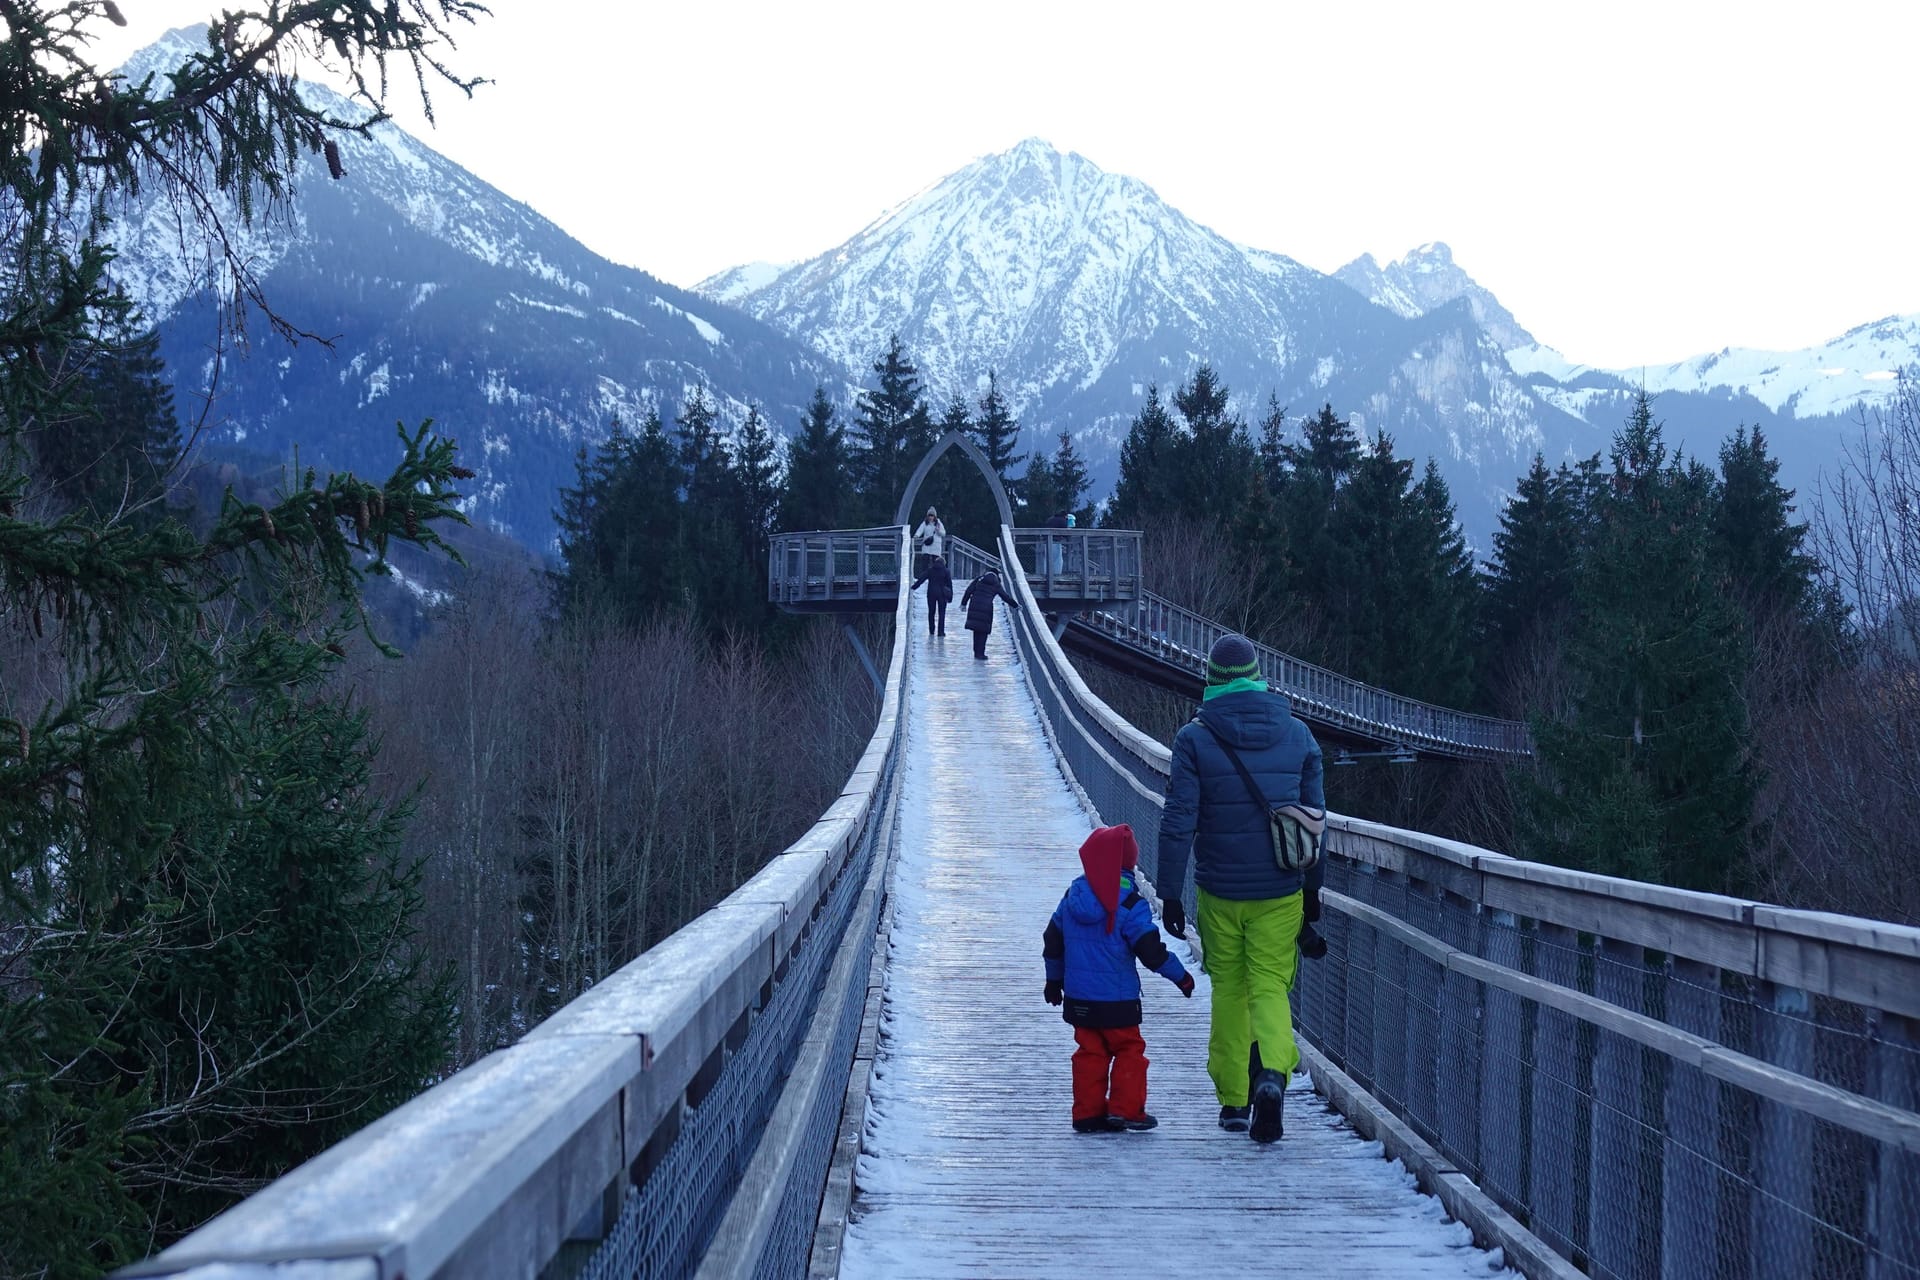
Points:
[1506,1072]
[1623,1190]
[1390,1012]
[1781,1208]
[1562,1110]
[1461,1052]
[1893,1185]
[1691,1195]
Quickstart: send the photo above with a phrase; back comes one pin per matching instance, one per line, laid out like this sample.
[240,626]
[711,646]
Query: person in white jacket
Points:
[929,540]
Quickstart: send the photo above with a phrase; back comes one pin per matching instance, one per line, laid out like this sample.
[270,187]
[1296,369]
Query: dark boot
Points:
[1135,1124]
[1235,1119]
[1097,1124]
[1269,1098]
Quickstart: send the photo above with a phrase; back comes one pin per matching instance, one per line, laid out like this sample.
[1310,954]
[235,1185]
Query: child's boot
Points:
[1136,1124]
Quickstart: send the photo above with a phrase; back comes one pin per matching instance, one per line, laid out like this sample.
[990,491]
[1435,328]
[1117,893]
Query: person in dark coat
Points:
[939,580]
[978,600]
[1100,929]
[1250,910]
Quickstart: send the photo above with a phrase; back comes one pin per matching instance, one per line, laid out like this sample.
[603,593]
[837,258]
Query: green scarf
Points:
[1241,685]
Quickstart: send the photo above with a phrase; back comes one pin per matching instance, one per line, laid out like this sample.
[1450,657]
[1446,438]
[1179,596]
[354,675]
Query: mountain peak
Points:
[1427,278]
[165,54]
[1022,242]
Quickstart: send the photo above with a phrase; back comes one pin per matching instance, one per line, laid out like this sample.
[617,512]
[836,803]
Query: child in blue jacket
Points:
[1100,927]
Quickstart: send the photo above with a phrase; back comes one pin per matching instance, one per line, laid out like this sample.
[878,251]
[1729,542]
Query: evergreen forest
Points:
[263,876]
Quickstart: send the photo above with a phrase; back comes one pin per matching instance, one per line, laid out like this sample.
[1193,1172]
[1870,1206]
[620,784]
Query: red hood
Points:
[1106,853]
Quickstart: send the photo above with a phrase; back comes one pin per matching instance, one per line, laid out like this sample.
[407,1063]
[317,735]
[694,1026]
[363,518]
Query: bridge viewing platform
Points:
[846,1067]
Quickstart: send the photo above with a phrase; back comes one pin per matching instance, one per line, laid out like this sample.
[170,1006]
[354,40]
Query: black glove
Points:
[1186,985]
[1312,945]
[1056,992]
[1173,914]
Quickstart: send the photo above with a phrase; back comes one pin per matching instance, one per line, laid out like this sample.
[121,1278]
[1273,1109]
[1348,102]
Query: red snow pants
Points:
[1116,1049]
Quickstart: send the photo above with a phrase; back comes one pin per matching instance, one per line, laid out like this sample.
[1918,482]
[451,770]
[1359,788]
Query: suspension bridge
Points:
[845,1066]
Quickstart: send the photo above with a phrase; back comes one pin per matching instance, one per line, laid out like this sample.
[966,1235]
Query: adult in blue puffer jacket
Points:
[1101,927]
[1250,911]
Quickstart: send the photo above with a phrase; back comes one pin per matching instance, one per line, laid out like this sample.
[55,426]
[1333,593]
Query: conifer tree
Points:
[1316,471]
[996,430]
[1649,776]
[193,873]
[1530,583]
[757,466]
[892,429]
[113,454]
[819,487]
[1146,488]
[1757,543]
[1039,496]
[1071,481]
[1215,466]
[621,542]
[1273,456]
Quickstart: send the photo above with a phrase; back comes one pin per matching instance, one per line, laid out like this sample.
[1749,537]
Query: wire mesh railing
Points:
[616,1137]
[1653,1083]
[1182,638]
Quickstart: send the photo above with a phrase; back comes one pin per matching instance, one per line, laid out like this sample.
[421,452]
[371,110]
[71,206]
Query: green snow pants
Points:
[1248,950]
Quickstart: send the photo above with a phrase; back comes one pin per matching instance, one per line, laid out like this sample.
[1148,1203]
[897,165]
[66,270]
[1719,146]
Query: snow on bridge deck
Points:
[970,1166]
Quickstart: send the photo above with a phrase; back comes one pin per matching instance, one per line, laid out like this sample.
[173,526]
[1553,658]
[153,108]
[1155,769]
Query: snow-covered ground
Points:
[971,1167]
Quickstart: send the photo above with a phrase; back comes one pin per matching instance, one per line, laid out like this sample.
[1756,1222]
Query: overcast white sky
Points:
[1637,182]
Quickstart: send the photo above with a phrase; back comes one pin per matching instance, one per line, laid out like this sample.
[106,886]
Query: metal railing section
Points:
[1656,1083]
[833,566]
[612,1138]
[1096,565]
[1183,638]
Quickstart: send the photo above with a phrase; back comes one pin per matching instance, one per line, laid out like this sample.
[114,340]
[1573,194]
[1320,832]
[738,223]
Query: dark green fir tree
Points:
[819,488]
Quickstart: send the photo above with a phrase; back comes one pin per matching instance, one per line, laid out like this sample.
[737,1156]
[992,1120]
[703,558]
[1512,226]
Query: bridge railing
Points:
[1184,638]
[641,1122]
[833,566]
[1095,565]
[1653,1082]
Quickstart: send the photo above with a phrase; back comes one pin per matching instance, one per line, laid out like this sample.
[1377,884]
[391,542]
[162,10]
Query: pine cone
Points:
[413,524]
[460,473]
[26,744]
[266,522]
[360,519]
[334,166]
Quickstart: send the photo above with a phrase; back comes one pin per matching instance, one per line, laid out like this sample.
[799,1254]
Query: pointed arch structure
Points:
[903,514]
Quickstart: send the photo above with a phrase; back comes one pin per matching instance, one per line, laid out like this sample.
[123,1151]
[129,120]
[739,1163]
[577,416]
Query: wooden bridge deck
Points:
[971,1167]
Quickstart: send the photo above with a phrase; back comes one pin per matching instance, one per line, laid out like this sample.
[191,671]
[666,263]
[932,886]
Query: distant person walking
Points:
[939,580]
[1242,756]
[929,540]
[978,600]
[1059,520]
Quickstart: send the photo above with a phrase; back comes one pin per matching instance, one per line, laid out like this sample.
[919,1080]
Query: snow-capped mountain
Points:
[1837,378]
[1079,287]
[446,299]
[1428,278]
